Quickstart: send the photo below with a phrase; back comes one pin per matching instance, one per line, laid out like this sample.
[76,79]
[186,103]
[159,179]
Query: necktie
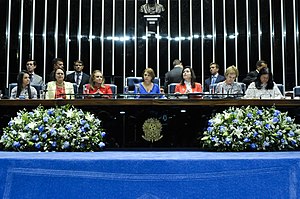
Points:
[78,79]
[213,80]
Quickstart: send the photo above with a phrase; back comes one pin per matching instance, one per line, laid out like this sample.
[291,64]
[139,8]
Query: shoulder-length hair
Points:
[270,83]
[150,71]
[193,76]
[20,83]
[92,83]
[54,73]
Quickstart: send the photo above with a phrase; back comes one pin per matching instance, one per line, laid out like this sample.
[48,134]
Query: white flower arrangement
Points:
[251,129]
[63,128]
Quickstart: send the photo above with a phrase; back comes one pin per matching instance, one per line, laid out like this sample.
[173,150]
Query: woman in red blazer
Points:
[96,85]
[187,83]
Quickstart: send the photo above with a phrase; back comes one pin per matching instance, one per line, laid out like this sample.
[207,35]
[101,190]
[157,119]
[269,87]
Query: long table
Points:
[182,120]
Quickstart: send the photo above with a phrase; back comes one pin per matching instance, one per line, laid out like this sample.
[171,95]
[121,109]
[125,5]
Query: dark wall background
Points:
[281,50]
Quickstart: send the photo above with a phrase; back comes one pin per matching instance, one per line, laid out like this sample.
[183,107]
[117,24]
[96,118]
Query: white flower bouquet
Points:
[251,129]
[63,128]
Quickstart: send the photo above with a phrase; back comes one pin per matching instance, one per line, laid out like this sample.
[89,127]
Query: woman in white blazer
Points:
[59,89]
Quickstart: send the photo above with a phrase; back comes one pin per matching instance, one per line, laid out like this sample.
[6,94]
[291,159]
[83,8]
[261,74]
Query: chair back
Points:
[132,81]
[171,88]
[114,89]
[10,87]
[296,91]
[281,88]
[244,86]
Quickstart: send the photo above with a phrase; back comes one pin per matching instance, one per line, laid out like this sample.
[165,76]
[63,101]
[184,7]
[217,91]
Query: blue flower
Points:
[266,144]
[279,133]
[37,145]
[276,113]
[283,140]
[66,145]
[31,113]
[53,132]
[253,146]
[268,126]
[235,121]
[44,136]
[103,134]
[101,144]
[258,123]
[50,111]
[249,115]
[11,122]
[288,119]
[27,127]
[222,128]
[246,140]
[87,126]
[82,129]
[227,141]
[57,118]
[45,119]
[69,127]
[54,144]
[16,144]
[259,112]
[293,142]
[41,128]
[291,133]
[210,129]
[82,122]
[35,137]
[255,134]
[275,120]
[210,122]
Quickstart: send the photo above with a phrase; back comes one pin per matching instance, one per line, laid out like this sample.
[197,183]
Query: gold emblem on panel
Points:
[152,129]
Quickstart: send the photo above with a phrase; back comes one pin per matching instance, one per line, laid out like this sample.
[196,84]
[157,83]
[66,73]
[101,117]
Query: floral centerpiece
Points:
[63,128]
[251,129]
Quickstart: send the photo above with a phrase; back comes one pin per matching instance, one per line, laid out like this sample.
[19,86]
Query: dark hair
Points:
[260,62]
[270,83]
[54,73]
[34,62]
[78,61]
[20,83]
[193,76]
[55,60]
[213,63]
[176,62]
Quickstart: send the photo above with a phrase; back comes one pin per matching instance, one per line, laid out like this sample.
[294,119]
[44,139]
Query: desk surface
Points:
[154,102]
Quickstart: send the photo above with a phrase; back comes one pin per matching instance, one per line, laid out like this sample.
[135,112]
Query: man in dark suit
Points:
[174,75]
[214,78]
[252,75]
[78,77]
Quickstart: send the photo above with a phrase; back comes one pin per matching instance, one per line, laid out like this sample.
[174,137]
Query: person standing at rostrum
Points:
[174,75]
[252,75]
[78,77]
[214,78]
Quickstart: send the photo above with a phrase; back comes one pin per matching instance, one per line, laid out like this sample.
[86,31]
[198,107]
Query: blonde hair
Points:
[92,83]
[232,70]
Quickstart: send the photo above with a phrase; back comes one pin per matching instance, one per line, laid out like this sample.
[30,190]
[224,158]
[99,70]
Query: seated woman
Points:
[229,88]
[263,86]
[23,90]
[59,89]
[96,85]
[147,86]
[187,83]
